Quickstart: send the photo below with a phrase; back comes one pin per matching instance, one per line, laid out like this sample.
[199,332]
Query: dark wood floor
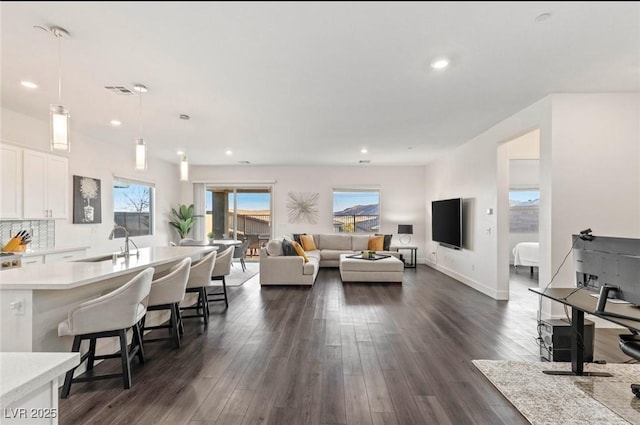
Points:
[335,354]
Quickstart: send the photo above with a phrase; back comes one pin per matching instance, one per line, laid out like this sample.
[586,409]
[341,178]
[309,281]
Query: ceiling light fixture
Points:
[141,147]
[58,114]
[28,84]
[115,123]
[440,63]
[363,150]
[228,152]
[184,165]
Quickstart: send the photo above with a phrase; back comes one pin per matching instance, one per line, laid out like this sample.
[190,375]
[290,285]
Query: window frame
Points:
[511,209]
[356,189]
[152,203]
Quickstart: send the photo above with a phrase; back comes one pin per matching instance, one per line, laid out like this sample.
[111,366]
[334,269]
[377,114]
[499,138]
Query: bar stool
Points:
[199,280]
[221,268]
[107,316]
[166,294]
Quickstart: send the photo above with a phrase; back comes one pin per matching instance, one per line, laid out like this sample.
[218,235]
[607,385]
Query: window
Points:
[133,207]
[523,210]
[356,210]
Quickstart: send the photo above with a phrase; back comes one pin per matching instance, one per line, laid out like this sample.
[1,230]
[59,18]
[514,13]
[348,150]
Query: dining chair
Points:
[220,270]
[240,252]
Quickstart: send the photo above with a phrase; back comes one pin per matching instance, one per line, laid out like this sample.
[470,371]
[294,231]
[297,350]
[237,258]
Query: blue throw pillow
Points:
[287,248]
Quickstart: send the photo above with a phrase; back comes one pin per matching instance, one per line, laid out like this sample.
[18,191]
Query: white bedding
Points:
[526,254]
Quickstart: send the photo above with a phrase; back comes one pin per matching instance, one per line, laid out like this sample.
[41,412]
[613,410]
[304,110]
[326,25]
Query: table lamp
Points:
[406,230]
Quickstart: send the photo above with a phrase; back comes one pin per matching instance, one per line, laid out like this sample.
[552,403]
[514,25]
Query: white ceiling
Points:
[311,83]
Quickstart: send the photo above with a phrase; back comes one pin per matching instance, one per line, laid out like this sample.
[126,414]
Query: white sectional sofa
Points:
[278,269]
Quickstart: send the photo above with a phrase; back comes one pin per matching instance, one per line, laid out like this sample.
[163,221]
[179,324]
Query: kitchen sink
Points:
[108,257]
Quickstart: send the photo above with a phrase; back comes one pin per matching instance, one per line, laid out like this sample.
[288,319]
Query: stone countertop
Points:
[56,250]
[23,373]
[72,274]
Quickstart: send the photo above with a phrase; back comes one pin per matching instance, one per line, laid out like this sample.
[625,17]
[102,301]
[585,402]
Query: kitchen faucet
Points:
[126,252]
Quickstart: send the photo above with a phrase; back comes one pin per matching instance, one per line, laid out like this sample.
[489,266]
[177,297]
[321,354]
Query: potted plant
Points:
[211,237]
[182,219]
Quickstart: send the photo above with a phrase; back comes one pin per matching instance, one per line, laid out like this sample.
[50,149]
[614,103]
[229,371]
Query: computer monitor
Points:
[608,262]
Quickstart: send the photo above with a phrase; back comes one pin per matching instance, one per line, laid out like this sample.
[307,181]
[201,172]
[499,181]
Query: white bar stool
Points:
[107,316]
[199,280]
[166,294]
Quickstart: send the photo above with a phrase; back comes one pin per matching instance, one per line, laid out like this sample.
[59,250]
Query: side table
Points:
[413,255]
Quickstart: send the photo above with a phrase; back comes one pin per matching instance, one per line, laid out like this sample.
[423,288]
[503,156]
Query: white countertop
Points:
[72,274]
[55,250]
[22,373]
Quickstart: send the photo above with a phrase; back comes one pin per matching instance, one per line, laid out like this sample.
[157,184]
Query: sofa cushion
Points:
[313,254]
[287,248]
[297,237]
[311,266]
[387,241]
[337,242]
[300,251]
[308,243]
[274,248]
[359,242]
[376,243]
[332,254]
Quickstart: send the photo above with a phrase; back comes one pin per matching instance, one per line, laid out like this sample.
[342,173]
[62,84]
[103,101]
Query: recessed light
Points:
[180,153]
[543,17]
[28,84]
[115,123]
[363,150]
[440,63]
[228,152]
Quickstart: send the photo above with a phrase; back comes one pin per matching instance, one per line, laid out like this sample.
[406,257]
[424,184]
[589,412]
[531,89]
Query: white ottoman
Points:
[359,270]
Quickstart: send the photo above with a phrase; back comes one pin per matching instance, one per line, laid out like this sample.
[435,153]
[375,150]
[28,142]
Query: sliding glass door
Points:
[239,213]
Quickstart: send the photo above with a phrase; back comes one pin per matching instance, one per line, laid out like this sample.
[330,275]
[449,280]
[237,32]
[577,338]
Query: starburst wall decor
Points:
[302,207]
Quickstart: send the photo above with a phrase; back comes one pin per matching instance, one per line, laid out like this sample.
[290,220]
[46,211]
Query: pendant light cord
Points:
[140,116]
[59,69]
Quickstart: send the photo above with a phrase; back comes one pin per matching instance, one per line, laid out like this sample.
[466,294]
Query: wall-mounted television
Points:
[446,222]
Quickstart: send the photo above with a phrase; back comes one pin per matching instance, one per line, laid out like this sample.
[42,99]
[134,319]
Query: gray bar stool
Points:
[107,316]
[220,270]
[166,294]
[199,280]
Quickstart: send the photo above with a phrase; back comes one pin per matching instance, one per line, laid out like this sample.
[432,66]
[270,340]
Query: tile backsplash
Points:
[43,232]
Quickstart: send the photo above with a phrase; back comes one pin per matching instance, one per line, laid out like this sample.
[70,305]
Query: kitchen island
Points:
[35,299]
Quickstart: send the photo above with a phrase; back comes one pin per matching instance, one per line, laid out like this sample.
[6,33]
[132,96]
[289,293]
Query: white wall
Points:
[98,159]
[402,192]
[589,159]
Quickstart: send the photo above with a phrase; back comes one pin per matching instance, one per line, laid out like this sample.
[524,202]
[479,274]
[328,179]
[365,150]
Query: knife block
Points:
[14,244]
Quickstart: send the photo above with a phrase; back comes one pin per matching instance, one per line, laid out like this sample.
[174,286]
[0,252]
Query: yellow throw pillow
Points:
[300,251]
[376,243]
[307,242]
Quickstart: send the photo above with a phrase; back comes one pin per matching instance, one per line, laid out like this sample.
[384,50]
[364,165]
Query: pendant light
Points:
[58,114]
[141,147]
[184,165]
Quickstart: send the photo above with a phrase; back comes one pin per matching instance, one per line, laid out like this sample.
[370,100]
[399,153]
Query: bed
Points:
[526,254]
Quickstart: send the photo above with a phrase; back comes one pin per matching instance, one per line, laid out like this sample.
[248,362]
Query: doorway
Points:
[240,213]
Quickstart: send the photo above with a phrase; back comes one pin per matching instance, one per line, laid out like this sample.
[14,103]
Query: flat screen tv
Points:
[446,222]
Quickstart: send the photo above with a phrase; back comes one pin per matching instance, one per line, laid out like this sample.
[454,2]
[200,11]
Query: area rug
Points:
[237,277]
[548,399]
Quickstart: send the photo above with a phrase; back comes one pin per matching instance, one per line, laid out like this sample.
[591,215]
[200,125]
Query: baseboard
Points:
[478,286]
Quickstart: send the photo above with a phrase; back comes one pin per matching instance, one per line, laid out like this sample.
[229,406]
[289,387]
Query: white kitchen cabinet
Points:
[11,182]
[65,256]
[32,259]
[45,188]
